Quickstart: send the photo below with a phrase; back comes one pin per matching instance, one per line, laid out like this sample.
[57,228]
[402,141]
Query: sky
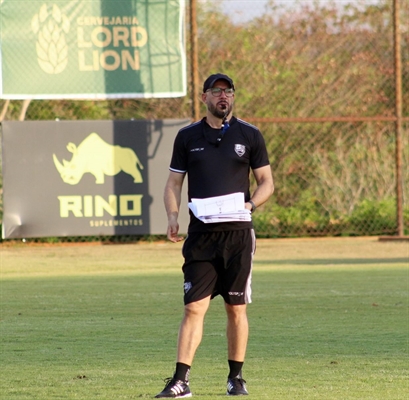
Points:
[243,10]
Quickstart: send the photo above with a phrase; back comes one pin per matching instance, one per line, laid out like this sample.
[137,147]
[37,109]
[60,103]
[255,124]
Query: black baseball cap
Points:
[211,80]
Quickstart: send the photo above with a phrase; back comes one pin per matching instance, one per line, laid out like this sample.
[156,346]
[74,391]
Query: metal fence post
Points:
[398,115]
[194,61]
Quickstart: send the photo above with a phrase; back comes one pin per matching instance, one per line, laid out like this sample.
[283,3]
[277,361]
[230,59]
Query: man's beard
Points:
[220,113]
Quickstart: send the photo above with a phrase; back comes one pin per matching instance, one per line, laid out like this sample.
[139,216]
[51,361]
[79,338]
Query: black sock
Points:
[235,368]
[182,372]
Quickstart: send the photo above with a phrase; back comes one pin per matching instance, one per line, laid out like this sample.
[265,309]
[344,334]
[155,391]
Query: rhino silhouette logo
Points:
[93,155]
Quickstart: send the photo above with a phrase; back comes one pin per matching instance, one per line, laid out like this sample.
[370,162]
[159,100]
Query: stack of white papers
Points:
[227,208]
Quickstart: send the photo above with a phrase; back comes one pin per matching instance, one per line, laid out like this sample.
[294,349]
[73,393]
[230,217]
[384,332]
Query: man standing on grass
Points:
[217,154]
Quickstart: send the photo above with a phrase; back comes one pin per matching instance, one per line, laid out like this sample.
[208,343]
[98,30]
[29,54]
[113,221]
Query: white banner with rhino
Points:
[86,178]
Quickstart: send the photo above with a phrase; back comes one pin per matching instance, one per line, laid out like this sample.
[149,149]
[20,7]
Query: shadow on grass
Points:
[336,261]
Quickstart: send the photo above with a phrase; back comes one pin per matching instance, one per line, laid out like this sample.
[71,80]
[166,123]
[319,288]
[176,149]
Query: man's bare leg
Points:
[237,337]
[237,331]
[191,330]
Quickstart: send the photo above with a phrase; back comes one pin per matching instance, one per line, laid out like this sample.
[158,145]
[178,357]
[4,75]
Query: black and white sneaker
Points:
[174,389]
[236,386]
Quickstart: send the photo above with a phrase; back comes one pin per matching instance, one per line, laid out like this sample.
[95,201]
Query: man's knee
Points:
[236,311]
[197,308]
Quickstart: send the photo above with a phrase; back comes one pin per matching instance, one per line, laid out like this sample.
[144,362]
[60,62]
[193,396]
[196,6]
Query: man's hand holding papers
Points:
[225,208]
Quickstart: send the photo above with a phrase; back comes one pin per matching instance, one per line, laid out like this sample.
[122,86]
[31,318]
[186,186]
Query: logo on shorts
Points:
[240,149]
[187,286]
[236,293]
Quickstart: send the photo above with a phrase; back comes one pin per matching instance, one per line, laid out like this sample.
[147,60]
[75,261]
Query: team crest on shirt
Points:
[240,149]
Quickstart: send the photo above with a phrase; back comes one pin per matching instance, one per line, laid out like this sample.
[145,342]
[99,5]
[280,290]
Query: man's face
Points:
[219,106]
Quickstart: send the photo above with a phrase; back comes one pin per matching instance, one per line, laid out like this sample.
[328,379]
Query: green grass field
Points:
[329,320]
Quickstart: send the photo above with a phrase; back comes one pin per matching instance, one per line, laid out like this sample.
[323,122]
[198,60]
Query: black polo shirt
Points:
[218,168]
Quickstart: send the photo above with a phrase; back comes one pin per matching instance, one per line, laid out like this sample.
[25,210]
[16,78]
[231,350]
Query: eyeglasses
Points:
[217,92]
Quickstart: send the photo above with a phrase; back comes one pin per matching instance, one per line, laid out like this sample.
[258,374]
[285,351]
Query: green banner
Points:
[92,49]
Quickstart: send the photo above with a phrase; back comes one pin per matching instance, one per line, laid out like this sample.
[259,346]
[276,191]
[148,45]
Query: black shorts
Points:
[219,263]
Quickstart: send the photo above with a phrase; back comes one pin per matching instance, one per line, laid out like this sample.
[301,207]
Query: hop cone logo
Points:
[50,28]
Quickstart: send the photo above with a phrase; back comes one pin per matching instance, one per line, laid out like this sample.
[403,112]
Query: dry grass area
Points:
[321,253]
[20,260]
